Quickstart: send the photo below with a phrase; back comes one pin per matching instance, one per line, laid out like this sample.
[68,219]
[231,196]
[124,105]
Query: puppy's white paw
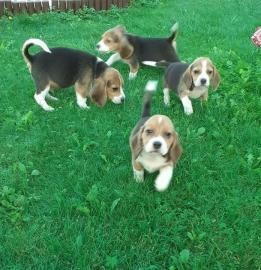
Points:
[166,96]
[51,97]
[187,105]
[166,101]
[83,106]
[48,108]
[164,178]
[138,176]
[132,75]
[161,186]
[81,101]
[188,110]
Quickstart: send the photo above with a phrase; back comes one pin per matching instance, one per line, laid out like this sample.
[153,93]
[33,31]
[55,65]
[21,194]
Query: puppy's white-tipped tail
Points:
[37,42]
[151,86]
[174,28]
[150,63]
[28,43]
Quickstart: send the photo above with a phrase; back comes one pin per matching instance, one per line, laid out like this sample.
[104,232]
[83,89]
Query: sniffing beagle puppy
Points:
[134,49]
[63,67]
[189,81]
[154,144]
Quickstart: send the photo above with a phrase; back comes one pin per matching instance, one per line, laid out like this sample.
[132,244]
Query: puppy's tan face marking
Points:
[158,134]
[114,86]
[202,72]
[111,39]
[109,85]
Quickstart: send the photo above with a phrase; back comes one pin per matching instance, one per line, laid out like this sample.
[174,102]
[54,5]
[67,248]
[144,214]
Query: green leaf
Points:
[27,119]
[184,256]
[190,236]
[201,131]
[109,133]
[35,173]
[79,241]
[21,167]
[114,204]
[83,209]
[93,193]
[103,157]
[89,145]
[111,262]
[202,235]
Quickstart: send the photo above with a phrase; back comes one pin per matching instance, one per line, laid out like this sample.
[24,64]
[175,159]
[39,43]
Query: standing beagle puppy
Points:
[134,49]
[154,144]
[189,81]
[63,67]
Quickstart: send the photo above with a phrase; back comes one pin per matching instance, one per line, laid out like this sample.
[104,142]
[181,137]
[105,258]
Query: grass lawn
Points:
[68,198]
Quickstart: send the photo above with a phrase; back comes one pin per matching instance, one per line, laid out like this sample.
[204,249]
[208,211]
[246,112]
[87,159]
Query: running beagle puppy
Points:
[63,67]
[189,81]
[154,144]
[134,49]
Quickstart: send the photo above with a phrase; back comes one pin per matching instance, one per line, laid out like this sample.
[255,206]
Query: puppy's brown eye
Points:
[115,89]
[209,72]
[108,41]
[149,131]
[196,71]
[168,135]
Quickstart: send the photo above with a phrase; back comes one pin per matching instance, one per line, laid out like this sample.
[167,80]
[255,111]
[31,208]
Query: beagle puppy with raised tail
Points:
[154,144]
[134,49]
[188,80]
[63,67]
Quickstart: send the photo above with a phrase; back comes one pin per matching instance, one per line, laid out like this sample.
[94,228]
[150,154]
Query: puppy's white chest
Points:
[151,161]
[198,91]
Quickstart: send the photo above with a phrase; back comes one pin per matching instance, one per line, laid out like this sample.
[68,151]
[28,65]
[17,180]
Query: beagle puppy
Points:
[154,144]
[63,67]
[189,81]
[134,49]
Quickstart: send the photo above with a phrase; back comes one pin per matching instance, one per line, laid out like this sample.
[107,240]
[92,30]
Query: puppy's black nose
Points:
[157,145]
[203,81]
[98,46]
[122,99]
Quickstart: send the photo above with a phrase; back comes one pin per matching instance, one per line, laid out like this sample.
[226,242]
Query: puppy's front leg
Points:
[204,96]
[163,179]
[133,71]
[138,171]
[114,58]
[81,94]
[187,105]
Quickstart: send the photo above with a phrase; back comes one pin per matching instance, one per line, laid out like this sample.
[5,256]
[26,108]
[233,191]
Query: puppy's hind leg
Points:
[138,171]
[166,96]
[39,97]
[49,96]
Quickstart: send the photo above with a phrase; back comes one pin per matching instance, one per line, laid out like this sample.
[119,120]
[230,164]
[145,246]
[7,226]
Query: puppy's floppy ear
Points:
[215,79]
[187,78]
[175,150]
[126,49]
[121,29]
[136,143]
[98,93]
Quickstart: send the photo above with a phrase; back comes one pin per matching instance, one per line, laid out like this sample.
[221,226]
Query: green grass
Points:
[68,198]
